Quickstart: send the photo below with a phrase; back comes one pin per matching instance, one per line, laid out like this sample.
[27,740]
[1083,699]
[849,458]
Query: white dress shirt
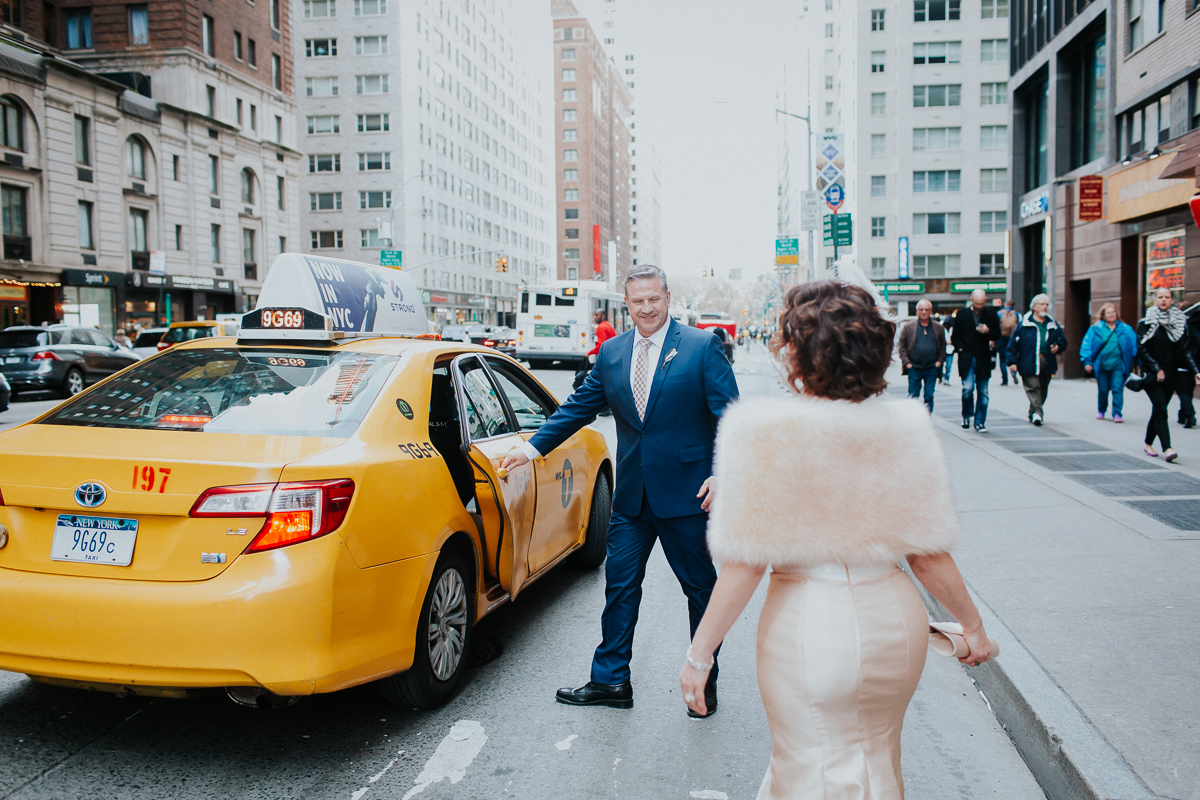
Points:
[656,340]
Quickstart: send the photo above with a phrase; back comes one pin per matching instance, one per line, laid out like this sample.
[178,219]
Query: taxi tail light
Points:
[250,500]
[45,355]
[302,511]
[163,346]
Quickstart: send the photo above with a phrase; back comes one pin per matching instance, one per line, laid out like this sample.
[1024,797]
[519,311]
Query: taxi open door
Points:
[505,502]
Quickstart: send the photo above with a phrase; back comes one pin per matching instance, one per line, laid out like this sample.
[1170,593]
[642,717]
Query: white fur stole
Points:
[803,481]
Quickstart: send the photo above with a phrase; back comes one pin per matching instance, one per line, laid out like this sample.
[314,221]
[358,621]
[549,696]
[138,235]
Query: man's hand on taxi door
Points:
[514,459]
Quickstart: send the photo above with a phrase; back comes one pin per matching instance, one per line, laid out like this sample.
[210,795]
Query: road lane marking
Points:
[565,744]
[452,757]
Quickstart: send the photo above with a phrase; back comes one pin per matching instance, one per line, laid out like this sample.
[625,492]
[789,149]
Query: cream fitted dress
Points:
[840,652]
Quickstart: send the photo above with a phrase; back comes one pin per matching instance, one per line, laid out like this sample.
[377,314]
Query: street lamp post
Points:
[807,120]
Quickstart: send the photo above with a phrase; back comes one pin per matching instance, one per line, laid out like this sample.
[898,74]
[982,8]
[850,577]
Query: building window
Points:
[326,240]
[371,84]
[571,233]
[829,108]
[280,194]
[369,8]
[568,95]
[993,180]
[325,162]
[11,125]
[372,162]
[175,163]
[570,135]
[994,137]
[993,94]
[877,60]
[237,46]
[138,225]
[935,10]
[249,254]
[937,52]
[372,200]
[991,264]
[937,224]
[238,113]
[570,115]
[320,48]
[207,37]
[568,54]
[1137,23]
[214,175]
[878,227]
[935,266]
[878,145]
[319,8]
[135,158]
[572,253]
[828,81]
[1088,85]
[570,174]
[570,213]
[276,72]
[210,93]
[374,123]
[993,50]
[878,104]
[83,143]
[252,53]
[139,25]
[278,129]
[936,95]
[214,243]
[79,28]
[993,221]
[878,266]
[570,194]
[568,75]
[369,237]
[325,123]
[248,186]
[937,138]
[370,45]
[275,19]
[253,117]
[85,226]
[178,237]
[995,9]
[878,186]
[321,87]
[939,180]
[877,19]
[570,155]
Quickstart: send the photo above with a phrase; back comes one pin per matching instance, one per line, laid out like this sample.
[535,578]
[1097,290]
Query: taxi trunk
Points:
[53,478]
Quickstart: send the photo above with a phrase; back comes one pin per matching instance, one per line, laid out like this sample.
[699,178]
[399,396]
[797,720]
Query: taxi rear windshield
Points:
[187,334]
[237,390]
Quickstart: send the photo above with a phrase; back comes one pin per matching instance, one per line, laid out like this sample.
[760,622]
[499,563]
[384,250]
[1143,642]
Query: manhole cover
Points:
[1182,515]
[1100,462]
[1139,484]
[1053,446]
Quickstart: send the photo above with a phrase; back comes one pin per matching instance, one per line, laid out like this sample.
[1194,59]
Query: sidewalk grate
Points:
[1027,432]
[1182,515]
[1100,462]
[1053,446]
[1137,484]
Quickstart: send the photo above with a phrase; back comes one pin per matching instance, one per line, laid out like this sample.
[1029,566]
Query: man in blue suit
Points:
[667,386]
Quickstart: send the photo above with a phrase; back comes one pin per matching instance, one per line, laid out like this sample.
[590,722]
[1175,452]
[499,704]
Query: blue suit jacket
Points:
[669,456]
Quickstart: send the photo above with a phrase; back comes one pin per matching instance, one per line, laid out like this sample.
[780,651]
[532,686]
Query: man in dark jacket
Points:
[922,348]
[1033,352]
[974,336]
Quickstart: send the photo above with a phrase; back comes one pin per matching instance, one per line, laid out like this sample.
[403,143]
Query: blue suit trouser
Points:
[630,540]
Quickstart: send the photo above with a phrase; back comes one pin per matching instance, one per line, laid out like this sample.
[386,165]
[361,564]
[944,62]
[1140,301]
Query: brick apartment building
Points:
[592,105]
[147,165]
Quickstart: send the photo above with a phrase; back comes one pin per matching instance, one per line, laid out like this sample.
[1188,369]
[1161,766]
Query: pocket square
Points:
[667,360]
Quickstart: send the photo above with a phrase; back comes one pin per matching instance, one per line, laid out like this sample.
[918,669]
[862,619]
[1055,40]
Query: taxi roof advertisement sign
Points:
[355,298]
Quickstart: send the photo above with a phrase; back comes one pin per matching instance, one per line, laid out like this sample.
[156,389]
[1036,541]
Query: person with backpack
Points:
[1107,352]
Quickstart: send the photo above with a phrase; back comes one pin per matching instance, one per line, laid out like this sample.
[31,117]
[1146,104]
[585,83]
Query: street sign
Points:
[389,258]
[1091,198]
[810,211]
[835,195]
[787,251]
[830,164]
[903,275]
[838,230]
[903,288]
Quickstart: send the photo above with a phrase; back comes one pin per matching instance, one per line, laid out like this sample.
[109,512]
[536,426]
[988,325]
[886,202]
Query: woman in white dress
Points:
[832,488]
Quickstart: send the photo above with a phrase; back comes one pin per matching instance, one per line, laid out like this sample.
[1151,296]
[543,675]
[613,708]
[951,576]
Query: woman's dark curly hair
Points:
[834,341]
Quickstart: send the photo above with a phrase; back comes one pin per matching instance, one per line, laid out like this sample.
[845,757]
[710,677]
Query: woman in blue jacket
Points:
[1107,352]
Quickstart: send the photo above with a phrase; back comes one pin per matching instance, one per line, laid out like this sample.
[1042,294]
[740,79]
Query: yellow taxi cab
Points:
[312,505]
[179,332]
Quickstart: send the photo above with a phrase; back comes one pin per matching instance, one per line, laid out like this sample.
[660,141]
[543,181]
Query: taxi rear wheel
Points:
[595,545]
[443,639]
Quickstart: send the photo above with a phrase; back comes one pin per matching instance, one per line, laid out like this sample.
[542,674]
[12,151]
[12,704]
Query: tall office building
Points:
[149,166]
[592,106]
[919,91]
[426,130]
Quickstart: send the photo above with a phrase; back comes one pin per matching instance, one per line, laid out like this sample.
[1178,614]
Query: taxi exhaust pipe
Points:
[258,697]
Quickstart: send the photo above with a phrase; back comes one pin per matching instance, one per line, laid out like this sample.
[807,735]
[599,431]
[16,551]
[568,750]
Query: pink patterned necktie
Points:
[639,378]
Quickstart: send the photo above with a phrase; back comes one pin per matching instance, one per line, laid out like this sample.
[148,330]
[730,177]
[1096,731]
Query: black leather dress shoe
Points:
[710,702]
[613,695]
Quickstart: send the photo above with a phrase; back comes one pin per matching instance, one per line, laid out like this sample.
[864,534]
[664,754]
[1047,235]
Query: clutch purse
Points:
[1134,382]
[946,639]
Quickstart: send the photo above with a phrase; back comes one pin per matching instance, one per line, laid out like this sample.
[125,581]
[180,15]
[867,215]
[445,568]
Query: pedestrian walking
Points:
[1107,352]
[1162,352]
[667,385]
[1185,381]
[1008,322]
[843,633]
[922,347]
[1033,353]
[976,329]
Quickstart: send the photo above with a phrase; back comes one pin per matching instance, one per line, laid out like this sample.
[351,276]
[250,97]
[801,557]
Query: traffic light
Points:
[501,263]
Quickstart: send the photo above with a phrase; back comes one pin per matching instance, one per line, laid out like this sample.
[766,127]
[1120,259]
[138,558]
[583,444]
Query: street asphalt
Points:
[503,735]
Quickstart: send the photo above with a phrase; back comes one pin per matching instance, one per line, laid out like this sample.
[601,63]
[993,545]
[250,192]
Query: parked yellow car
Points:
[313,505]
[179,332]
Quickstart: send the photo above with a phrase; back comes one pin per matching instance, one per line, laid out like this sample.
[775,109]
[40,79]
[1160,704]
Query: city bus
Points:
[554,322]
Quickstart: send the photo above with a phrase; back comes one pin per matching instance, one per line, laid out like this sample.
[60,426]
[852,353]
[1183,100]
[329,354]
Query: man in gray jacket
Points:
[922,348]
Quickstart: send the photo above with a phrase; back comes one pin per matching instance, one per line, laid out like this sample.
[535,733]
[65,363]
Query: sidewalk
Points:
[1088,554]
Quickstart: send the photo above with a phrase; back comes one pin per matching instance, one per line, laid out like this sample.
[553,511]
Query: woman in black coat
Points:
[1162,351]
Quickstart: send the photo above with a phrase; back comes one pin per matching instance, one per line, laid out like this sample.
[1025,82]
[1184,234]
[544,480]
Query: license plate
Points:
[94,540]
[13,360]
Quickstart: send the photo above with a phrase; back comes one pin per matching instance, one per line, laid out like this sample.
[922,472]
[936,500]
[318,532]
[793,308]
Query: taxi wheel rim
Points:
[447,624]
[74,382]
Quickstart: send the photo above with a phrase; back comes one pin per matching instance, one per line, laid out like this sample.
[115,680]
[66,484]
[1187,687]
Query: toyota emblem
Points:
[90,495]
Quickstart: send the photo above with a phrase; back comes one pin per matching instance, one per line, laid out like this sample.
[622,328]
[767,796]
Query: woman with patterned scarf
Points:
[1162,351]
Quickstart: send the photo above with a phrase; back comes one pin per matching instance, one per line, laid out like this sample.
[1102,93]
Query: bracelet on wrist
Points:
[696,665]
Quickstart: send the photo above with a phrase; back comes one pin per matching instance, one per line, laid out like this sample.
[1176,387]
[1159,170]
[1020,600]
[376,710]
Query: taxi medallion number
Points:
[282,318]
[94,540]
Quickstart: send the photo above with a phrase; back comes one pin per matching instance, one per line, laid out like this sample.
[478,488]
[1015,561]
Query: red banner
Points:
[1091,198]
[596,249]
